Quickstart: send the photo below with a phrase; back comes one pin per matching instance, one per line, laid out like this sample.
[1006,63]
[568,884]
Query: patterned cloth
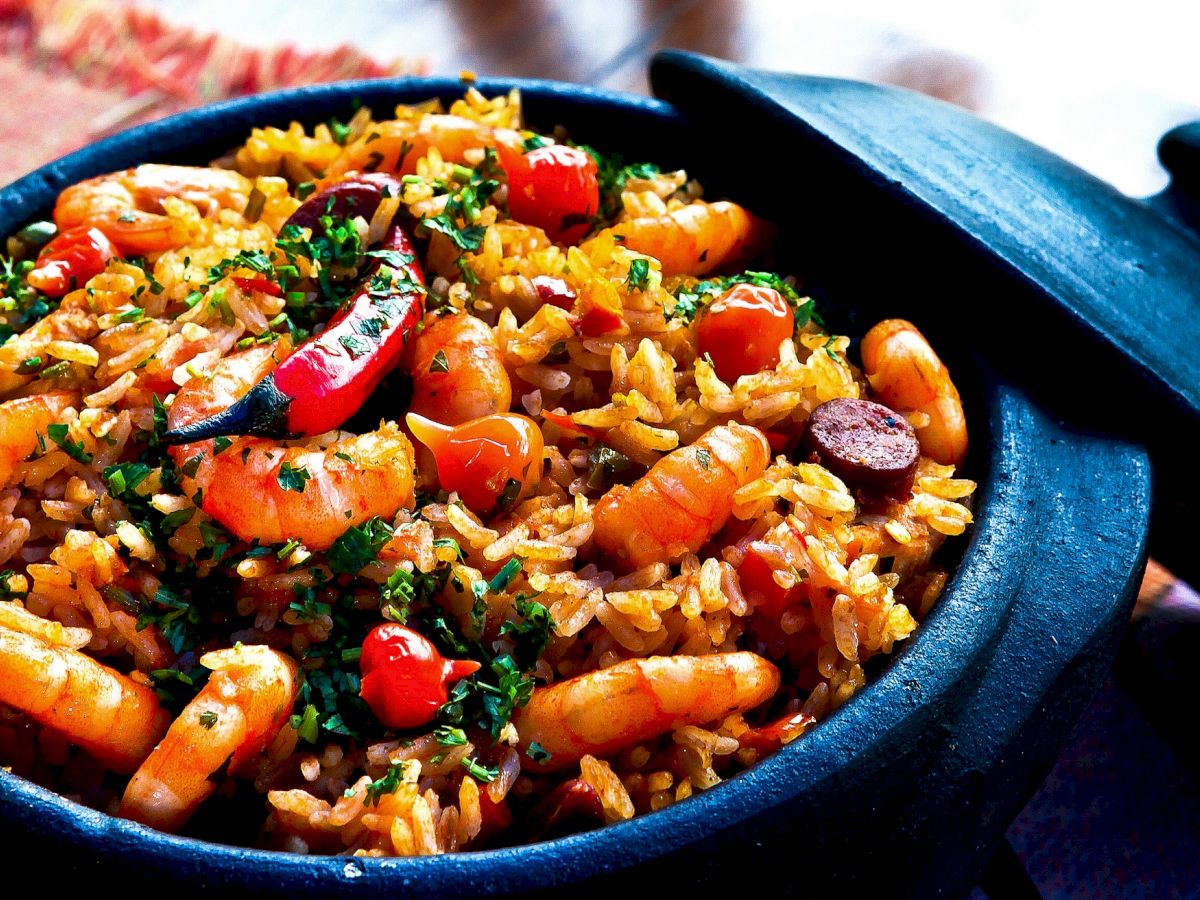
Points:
[76,70]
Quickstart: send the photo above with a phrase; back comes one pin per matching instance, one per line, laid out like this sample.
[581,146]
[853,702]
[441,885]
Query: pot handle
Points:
[1179,152]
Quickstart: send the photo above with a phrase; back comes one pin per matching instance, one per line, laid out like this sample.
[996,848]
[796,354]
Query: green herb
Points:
[531,632]
[508,495]
[533,142]
[133,314]
[255,260]
[304,190]
[178,624]
[58,370]
[639,274]
[388,784]
[612,177]
[501,580]
[703,457]
[306,724]
[29,365]
[340,131]
[208,718]
[221,444]
[604,465]
[538,753]
[59,434]
[359,545]
[20,304]
[176,688]
[449,736]
[254,205]
[440,363]
[291,478]
[469,238]
[480,772]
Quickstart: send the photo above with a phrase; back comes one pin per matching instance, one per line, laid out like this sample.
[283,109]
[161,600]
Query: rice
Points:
[116,547]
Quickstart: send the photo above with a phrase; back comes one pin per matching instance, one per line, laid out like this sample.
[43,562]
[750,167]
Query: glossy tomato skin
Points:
[69,260]
[404,677]
[480,458]
[742,329]
[554,188]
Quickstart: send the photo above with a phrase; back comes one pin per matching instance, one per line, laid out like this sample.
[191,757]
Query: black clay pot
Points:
[907,788]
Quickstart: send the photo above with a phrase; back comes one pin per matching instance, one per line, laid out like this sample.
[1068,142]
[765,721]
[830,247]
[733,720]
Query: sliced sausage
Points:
[870,447]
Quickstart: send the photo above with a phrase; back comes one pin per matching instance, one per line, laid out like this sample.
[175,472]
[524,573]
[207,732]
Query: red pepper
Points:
[597,321]
[404,677]
[330,376]
[266,285]
[69,260]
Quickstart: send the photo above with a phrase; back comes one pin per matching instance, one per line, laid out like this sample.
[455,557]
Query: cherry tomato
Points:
[554,188]
[760,587]
[68,261]
[742,329]
[404,677]
[483,458]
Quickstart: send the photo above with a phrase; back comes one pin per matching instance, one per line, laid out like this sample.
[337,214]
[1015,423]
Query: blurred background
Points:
[1096,82]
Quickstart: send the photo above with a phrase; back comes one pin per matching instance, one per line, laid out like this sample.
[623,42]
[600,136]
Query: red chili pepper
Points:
[68,261]
[330,376]
[404,677]
[266,285]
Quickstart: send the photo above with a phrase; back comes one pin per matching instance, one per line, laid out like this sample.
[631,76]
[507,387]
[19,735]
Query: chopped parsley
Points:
[468,238]
[359,545]
[704,458]
[538,753]
[439,363]
[208,719]
[391,780]
[639,274]
[306,724]
[292,478]
[255,260]
[59,433]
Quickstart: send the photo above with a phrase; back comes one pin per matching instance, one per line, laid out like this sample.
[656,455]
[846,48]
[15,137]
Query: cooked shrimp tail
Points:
[233,718]
[609,710]
[908,376]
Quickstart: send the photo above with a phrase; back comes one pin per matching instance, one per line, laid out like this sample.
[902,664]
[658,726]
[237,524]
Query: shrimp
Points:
[395,146]
[695,239]
[270,491]
[23,421]
[42,673]
[67,323]
[906,374]
[683,500]
[457,370]
[608,710]
[128,205]
[236,714]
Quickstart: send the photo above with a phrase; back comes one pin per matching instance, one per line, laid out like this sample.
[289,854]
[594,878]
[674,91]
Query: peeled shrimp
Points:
[22,421]
[908,376]
[683,500]
[274,491]
[395,146]
[128,206]
[609,710]
[457,370]
[67,323]
[695,239]
[233,718]
[43,674]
